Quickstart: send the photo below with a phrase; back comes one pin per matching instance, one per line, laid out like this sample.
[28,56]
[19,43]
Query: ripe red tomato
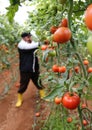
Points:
[62,69]
[62,35]
[88,17]
[85,62]
[83,105]
[53,29]
[55,68]
[57,100]
[44,47]
[69,119]
[71,101]
[77,69]
[64,23]
[17,85]
[90,70]
[37,114]
[85,122]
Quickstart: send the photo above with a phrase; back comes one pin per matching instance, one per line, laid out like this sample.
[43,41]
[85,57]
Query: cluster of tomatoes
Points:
[62,33]
[69,100]
[56,68]
[86,63]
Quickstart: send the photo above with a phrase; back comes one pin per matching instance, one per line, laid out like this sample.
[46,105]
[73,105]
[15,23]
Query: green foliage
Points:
[9,33]
[57,120]
[12,9]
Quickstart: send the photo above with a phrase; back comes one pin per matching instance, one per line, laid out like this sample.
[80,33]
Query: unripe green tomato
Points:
[62,1]
[89,44]
[52,53]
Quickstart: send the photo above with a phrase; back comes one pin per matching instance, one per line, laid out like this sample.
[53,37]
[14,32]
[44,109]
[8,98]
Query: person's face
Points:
[28,39]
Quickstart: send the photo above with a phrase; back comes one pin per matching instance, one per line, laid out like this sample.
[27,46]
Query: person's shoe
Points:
[42,93]
[19,101]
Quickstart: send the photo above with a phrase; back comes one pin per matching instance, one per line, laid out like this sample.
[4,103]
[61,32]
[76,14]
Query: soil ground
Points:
[12,118]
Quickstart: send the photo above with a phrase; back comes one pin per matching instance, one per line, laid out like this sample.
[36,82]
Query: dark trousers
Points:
[25,78]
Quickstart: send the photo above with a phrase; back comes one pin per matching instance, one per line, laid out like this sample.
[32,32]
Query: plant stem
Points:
[58,57]
[84,70]
[72,41]
[70,20]
[70,13]
[80,115]
[58,54]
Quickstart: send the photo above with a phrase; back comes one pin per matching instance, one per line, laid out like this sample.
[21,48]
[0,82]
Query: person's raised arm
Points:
[27,46]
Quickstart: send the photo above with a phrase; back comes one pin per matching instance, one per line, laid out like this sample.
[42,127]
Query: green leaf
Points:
[90,80]
[45,55]
[55,92]
[12,9]
[14,2]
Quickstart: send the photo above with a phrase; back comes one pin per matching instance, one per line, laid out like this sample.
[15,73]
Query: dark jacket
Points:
[28,62]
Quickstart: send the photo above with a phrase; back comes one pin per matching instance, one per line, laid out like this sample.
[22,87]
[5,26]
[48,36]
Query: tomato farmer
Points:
[28,66]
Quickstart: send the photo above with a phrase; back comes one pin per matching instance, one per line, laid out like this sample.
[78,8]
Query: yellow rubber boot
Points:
[42,93]
[19,101]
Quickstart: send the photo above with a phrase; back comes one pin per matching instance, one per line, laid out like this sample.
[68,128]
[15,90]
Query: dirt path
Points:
[12,118]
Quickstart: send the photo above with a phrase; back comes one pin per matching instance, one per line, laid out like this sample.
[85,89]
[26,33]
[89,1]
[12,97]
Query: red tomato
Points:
[69,119]
[57,100]
[85,122]
[62,35]
[83,105]
[55,68]
[70,101]
[53,29]
[88,17]
[77,69]
[62,69]
[44,47]
[85,62]
[17,85]
[37,114]
[90,70]
[64,23]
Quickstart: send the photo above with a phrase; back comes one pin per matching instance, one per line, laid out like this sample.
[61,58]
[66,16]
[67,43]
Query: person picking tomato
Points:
[28,66]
